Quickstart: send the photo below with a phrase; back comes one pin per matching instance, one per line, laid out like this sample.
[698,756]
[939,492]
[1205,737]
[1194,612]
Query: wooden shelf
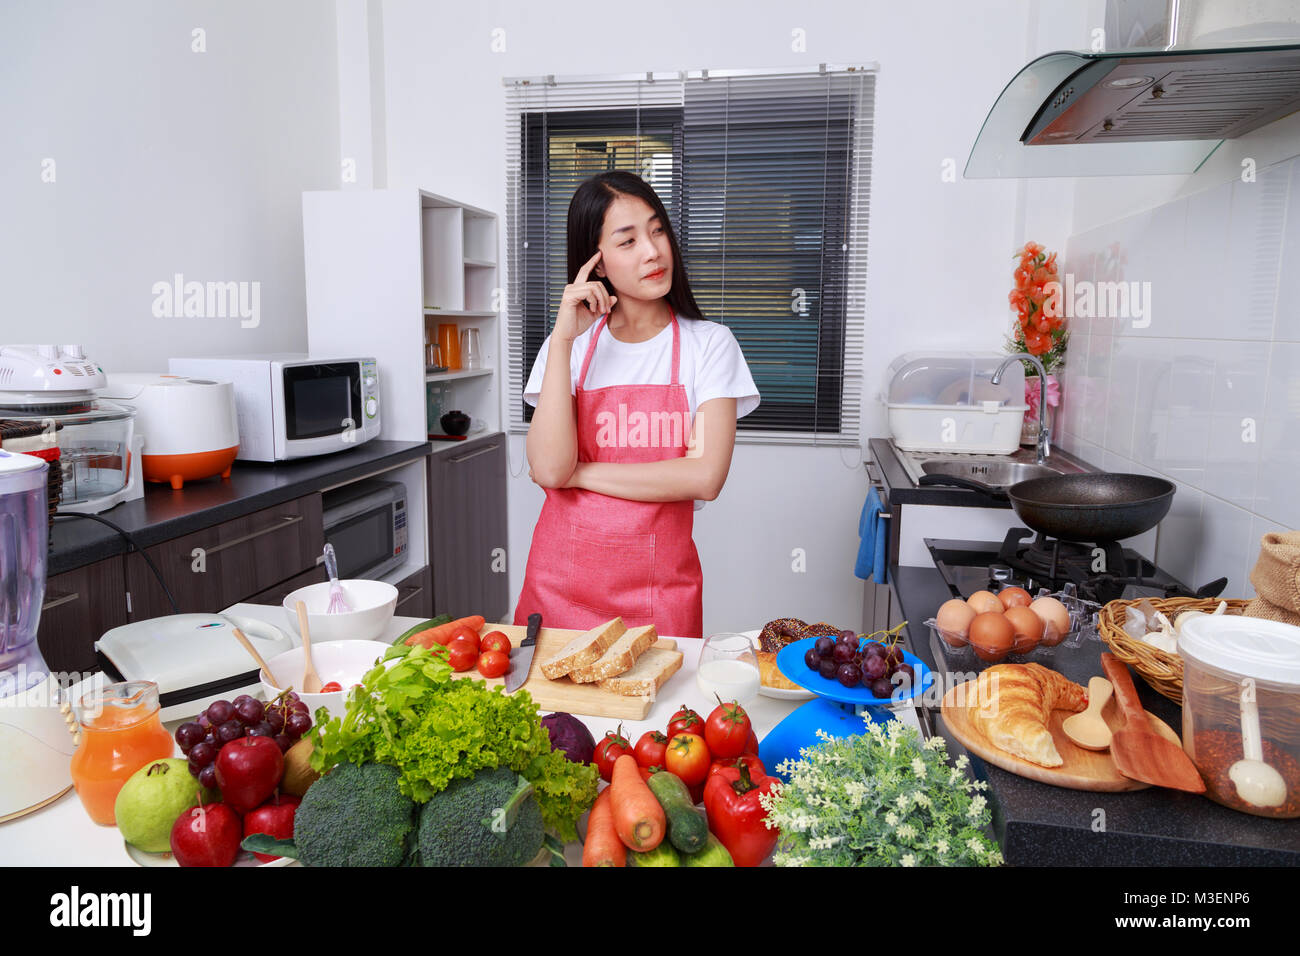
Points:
[459,373]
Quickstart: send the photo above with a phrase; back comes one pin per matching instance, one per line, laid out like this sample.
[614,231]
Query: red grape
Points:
[250,711]
[882,688]
[297,724]
[828,668]
[849,675]
[188,734]
[812,659]
[202,754]
[843,653]
[220,711]
[208,776]
[274,719]
[824,646]
[230,730]
[284,742]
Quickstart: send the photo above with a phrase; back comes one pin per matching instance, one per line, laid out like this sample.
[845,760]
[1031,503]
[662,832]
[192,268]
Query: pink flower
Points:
[1031,395]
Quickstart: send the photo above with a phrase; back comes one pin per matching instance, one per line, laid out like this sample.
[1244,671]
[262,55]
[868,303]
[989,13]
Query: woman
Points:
[635,421]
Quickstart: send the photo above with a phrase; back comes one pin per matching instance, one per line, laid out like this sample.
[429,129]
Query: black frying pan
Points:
[1090,507]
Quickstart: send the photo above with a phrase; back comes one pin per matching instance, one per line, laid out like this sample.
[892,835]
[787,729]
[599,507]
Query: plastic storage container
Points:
[1239,671]
[947,402]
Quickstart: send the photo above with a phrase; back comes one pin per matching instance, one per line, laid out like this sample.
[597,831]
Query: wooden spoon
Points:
[1088,729]
[311,682]
[248,646]
[1138,753]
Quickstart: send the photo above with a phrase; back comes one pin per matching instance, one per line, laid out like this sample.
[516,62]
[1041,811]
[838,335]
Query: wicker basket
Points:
[1162,670]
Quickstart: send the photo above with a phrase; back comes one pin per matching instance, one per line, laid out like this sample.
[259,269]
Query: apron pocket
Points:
[611,573]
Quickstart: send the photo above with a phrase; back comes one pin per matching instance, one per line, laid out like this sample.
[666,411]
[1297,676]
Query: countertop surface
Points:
[61,834]
[1042,825]
[163,513]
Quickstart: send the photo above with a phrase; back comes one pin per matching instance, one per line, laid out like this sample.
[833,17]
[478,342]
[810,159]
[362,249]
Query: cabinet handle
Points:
[284,522]
[474,454]
[414,589]
[59,601]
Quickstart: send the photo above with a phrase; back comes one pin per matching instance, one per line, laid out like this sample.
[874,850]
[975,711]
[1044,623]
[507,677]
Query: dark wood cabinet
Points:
[229,562]
[80,605]
[415,595]
[468,528]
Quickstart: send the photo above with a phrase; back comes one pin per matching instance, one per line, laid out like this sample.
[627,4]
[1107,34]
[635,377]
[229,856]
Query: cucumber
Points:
[713,854]
[687,828]
[422,626]
[662,855]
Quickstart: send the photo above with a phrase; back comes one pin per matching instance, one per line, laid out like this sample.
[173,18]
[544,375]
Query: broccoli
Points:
[489,819]
[354,816]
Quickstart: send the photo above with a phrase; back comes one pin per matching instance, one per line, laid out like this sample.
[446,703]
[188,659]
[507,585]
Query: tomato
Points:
[685,721]
[727,730]
[648,772]
[495,641]
[688,757]
[493,663]
[462,655]
[333,687]
[649,750]
[612,746]
[465,633]
[751,761]
[751,745]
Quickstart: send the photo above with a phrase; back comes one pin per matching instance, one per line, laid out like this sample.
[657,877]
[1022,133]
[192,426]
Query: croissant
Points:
[1012,706]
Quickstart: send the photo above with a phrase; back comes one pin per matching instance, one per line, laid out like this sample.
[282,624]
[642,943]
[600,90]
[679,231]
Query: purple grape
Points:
[894,656]
[824,646]
[230,730]
[260,729]
[220,711]
[882,688]
[874,649]
[284,742]
[300,708]
[208,776]
[812,659]
[241,698]
[194,771]
[904,676]
[843,653]
[275,719]
[202,754]
[189,734]
[848,637]
[250,711]
[211,739]
[297,724]
[203,720]
[874,668]
[849,675]
[828,668]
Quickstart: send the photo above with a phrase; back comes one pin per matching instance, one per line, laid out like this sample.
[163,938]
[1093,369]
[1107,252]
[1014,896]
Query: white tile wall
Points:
[1208,392]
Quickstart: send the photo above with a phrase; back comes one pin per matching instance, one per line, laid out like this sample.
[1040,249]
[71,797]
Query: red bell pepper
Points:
[756,768]
[735,815]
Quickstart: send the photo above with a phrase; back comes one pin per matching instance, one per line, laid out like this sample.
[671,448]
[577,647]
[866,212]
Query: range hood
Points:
[1132,112]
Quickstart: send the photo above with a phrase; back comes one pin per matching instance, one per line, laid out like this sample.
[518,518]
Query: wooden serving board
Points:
[550,695]
[1082,770]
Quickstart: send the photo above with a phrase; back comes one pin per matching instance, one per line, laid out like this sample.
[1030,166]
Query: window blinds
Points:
[766,176]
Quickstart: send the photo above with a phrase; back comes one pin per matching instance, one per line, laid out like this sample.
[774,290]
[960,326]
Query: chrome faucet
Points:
[1044,440]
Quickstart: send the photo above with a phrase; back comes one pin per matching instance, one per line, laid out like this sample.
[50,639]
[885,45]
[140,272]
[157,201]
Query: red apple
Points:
[248,771]
[207,835]
[274,818]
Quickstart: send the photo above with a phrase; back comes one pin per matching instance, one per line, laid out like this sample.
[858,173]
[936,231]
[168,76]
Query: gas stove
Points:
[1099,573]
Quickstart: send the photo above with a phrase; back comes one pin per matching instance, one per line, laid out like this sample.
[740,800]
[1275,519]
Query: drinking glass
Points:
[471,355]
[121,731]
[449,339]
[729,668]
[433,357]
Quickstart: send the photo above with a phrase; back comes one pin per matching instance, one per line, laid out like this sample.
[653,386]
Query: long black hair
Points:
[587,209]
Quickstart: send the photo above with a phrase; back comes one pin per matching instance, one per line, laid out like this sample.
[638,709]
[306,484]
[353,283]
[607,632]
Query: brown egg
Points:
[1056,619]
[984,601]
[953,621]
[1028,628]
[1014,597]
[992,636]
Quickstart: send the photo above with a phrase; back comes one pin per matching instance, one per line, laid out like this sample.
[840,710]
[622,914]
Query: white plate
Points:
[777,693]
[245,859]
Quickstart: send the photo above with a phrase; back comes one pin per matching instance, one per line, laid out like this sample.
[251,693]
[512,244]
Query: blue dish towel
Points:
[873,529]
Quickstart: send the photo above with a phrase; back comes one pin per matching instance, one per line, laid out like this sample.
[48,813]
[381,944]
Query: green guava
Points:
[151,800]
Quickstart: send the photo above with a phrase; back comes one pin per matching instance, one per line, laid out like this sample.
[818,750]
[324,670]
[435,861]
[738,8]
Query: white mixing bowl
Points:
[372,604]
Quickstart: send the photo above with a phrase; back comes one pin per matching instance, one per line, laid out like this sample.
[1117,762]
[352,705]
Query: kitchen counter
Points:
[62,835]
[1042,825]
[163,513]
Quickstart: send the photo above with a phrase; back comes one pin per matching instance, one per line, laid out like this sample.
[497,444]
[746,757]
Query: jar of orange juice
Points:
[121,731]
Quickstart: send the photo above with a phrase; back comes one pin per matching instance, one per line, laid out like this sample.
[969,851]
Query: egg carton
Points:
[1083,627]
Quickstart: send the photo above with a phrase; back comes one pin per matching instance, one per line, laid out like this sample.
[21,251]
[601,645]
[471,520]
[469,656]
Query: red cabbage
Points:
[570,735]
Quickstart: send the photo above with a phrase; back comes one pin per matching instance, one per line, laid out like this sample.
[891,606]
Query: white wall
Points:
[166,161]
[940,251]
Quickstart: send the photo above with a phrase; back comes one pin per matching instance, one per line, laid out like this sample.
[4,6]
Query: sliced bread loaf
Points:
[586,648]
[620,657]
[647,675]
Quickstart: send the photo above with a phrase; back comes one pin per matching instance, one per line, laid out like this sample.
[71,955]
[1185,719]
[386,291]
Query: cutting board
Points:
[590,700]
[1082,770]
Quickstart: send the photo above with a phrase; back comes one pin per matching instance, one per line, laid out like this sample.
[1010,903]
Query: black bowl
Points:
[455,422]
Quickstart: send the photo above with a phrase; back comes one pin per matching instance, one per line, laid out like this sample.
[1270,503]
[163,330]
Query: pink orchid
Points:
[1031,395]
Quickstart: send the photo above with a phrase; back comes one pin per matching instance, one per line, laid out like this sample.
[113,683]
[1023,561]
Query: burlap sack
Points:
[1277,578]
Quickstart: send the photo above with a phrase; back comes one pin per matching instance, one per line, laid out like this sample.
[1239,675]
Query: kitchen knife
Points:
[1140,754]
[522,659]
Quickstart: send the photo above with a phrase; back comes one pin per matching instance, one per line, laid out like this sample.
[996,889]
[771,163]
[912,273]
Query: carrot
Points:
[638,817]
[603,847]
[442,633]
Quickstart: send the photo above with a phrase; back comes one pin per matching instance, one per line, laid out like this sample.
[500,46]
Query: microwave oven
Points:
[366,523]
[292,405]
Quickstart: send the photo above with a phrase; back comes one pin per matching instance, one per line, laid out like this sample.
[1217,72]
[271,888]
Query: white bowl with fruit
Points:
[340,664]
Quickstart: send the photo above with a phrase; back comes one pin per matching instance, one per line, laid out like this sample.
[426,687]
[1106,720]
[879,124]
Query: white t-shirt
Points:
[712,365]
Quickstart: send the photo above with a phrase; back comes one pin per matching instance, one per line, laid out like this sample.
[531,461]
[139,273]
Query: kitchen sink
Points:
[997,471]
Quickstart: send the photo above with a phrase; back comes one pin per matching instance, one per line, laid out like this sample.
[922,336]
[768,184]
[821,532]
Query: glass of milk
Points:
[728,668]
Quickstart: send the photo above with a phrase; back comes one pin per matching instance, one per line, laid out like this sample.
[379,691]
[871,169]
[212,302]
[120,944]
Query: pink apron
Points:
[595,557]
